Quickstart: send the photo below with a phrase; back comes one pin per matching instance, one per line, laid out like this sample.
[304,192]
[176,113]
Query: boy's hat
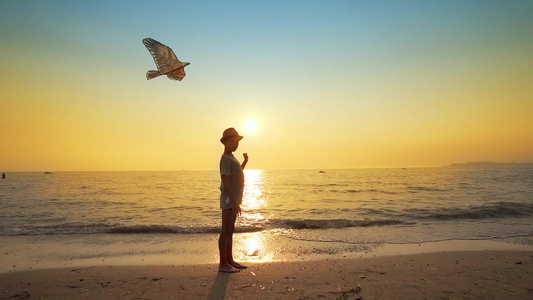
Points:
[228,133]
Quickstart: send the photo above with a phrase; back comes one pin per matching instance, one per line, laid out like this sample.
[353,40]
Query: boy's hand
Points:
[237,210]
[245,156]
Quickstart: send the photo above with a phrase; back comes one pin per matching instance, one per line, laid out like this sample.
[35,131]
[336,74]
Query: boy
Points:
[232,175]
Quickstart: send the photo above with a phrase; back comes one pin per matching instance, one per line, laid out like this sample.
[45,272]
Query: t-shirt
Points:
[231,167]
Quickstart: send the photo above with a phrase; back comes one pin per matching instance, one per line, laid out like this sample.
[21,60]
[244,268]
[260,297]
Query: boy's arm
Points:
[245,160]
[227,188]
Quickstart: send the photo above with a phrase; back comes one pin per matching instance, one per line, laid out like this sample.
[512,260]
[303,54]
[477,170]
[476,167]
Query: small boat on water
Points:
[47,173]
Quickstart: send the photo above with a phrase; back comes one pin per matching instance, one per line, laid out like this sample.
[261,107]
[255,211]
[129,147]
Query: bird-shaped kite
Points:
[166,61]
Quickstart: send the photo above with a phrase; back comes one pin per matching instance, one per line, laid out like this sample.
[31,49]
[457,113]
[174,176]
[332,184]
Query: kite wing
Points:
[164,58]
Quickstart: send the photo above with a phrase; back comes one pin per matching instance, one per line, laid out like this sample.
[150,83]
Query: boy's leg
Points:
[223,240]
[229,250]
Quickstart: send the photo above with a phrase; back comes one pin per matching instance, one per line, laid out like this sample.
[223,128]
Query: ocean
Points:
[402,205]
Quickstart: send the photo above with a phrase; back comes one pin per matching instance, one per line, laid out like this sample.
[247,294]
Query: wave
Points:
[69,228]
[353,191]
[426,189]
[337,223]
[489,211]
[405,217]
[114,229]
[177,229]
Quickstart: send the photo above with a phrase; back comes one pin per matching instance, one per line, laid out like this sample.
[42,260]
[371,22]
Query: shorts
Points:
[225,202]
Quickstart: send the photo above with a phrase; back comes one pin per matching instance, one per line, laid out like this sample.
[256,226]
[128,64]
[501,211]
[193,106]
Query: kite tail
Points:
[152,74]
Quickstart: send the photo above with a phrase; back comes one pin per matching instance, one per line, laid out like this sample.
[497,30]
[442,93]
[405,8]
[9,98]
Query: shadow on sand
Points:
[218,291]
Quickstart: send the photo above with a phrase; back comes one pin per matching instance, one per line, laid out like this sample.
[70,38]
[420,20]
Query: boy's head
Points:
[230,139]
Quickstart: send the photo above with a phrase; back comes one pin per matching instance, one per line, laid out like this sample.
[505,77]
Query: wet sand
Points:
[439,275]
[26,253]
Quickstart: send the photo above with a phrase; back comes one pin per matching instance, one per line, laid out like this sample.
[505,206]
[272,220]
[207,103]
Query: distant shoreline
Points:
[492,164]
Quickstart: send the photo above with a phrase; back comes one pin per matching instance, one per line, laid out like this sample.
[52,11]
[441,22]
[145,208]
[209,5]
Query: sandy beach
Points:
[441,275]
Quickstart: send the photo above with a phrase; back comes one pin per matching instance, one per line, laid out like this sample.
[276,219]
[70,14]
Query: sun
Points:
[250,125]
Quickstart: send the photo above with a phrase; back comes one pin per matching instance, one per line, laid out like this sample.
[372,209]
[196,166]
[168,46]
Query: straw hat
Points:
[228,133]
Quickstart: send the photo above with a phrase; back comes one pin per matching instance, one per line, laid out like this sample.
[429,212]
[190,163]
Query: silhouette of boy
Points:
[232,175]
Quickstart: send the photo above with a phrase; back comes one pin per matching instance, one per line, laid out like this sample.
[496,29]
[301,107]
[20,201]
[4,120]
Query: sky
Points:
[328,84]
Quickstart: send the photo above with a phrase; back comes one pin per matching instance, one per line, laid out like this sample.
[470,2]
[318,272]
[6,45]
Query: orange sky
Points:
[352,84]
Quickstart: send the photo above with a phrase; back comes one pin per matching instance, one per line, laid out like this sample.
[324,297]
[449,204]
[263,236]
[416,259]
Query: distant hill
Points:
[493,164]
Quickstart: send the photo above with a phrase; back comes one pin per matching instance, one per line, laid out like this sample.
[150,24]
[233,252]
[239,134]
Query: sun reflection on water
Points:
[254,246]
[254,189]
[254,200]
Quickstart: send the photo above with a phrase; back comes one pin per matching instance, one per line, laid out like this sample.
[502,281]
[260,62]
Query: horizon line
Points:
[475,163]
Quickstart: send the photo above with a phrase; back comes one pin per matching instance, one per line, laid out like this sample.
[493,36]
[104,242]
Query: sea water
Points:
[380,205]
[349,210]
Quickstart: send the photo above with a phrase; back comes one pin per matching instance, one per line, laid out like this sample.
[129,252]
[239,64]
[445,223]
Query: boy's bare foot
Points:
[228,269]
[238,265]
